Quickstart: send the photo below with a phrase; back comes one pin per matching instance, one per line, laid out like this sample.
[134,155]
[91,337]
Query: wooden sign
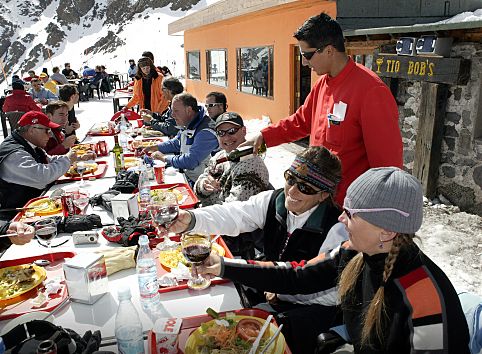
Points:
[453,71]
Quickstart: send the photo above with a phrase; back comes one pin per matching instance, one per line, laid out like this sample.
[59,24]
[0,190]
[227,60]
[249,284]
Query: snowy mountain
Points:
[46,33]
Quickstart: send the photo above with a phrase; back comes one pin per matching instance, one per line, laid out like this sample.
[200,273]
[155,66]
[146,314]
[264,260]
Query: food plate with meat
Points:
[82,149]
[232,334]
[90,168]
[17,280]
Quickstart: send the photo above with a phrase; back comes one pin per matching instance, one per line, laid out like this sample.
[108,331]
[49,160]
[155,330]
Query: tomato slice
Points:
[247,329]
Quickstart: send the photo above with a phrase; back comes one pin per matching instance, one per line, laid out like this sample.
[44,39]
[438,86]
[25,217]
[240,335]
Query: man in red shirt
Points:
[19,100]
[349,110]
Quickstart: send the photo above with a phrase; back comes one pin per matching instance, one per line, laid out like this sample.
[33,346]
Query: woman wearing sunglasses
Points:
[394,298]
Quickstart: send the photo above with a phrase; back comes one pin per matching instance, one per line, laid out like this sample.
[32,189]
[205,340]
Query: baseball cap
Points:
[230,117]
[34,117]
[43,75]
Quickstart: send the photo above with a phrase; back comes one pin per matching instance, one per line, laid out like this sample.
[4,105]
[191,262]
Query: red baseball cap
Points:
[34,117]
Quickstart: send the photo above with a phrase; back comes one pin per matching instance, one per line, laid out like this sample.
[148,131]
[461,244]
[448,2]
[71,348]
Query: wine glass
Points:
[81,168]
[163,211]
[196,248]
[46,230]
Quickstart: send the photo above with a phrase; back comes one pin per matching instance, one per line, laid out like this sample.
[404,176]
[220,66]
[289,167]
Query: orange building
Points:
[246,49]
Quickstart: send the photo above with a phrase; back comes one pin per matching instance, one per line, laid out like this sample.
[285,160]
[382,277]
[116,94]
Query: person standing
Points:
[147,91]
[349,110]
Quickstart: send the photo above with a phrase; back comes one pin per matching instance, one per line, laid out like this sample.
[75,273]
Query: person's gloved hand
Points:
[74,223]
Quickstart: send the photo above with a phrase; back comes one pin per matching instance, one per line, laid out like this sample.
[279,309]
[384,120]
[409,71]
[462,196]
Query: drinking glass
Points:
[46,230]
[81,168]
[163,211]
[196,248]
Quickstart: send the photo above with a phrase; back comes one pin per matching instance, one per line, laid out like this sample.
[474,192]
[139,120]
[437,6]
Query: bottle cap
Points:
[143,240]
[124,292]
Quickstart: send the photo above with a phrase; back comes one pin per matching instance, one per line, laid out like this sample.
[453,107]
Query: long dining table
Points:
[101,315]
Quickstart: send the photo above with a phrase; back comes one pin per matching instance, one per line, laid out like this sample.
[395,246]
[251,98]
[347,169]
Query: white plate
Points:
[37,315]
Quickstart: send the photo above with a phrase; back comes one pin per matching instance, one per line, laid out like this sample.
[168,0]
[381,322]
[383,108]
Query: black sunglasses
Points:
[211,105]
[302,186]
[309,55]
[230,131]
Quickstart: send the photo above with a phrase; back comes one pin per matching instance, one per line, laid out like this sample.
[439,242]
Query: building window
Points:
[194,65]
[216,67]
[255,70]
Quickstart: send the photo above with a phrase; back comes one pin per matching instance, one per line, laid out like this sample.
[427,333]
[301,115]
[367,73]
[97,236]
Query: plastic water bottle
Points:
[144,188]
[128,326]
[147,277]
[123,137]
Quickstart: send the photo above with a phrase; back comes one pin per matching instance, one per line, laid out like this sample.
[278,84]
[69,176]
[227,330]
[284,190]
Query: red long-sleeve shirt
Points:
[368,137]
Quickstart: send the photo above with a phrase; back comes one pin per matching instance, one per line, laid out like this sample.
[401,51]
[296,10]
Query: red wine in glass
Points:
[196,253]
[47,233]
[196,248]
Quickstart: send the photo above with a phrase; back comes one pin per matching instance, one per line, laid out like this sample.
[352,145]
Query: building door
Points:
[302,80]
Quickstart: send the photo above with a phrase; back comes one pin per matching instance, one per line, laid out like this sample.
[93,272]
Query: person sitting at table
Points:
[58,77]
[59,144]
[195,141]
[31,75]
[230,181]
[25,168]
[394,298]
[147,92]
[88,72]
[49,84]
[40,94]
[302,212]
[106,85]
[164,122]
[69,73]
[25,233]
[19,100]
[70,95]
[216,104]
[132,71]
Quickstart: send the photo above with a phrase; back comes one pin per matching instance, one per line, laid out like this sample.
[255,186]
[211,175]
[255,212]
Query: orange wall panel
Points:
[267,28]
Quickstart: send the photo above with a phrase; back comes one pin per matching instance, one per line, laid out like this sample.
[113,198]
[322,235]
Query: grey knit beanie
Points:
[388,187]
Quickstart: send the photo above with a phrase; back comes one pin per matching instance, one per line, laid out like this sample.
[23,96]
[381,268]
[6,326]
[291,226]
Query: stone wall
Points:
[460,173]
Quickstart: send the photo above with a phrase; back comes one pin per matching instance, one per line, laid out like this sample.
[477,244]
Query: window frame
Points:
[188,66]
[240,77]
[208,67]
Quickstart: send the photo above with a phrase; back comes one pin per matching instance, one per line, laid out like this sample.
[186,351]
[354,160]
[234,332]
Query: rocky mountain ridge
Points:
[21,52]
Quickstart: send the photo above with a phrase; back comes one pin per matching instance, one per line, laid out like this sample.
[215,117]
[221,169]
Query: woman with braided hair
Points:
[394,298]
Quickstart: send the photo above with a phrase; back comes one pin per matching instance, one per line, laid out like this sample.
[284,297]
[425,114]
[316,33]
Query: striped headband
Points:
[311,173]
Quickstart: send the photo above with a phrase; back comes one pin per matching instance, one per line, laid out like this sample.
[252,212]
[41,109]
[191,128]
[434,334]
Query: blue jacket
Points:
[192,146]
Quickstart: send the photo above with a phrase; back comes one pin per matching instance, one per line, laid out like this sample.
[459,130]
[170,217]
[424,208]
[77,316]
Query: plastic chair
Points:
[13,118]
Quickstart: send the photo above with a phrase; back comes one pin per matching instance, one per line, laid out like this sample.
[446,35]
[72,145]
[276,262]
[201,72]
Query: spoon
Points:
[41,262]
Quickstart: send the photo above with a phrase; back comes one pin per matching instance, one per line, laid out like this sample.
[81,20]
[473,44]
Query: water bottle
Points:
[144,188]
[147,277]
[128,326]
[123,137]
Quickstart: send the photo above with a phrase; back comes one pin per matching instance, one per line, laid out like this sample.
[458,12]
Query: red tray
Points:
[191,200]
[21,304]
[101,170]
[189,324]
[20,214]
[183,285]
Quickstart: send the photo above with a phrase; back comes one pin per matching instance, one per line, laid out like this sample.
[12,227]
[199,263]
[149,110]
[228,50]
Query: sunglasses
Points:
[211,105]
[46,130]
[350,211]
[230,131]
[302,186]
[309,55]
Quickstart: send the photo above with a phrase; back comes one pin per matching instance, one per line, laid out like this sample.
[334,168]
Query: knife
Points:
[260,335]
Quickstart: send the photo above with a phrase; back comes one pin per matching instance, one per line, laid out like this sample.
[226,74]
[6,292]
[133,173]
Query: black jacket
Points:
[304,243]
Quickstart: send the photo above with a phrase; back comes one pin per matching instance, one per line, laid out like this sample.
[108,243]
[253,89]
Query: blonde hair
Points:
[376,312]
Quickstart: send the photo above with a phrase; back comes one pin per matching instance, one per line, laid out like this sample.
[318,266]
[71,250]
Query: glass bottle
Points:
[118,155]
[238,154]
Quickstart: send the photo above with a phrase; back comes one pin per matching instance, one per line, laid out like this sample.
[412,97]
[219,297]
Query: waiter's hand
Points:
[24,232]
[180,224]
[255,141]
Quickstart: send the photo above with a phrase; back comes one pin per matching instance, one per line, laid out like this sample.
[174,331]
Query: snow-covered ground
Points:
[453,240]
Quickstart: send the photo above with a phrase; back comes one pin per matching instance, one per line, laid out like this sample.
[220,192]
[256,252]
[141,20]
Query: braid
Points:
[376,310]
[349,276]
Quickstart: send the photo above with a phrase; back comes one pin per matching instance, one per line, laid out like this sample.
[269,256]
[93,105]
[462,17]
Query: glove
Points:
[126,181]
[131,230]
[92,341]
[74,223]
[104,199]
